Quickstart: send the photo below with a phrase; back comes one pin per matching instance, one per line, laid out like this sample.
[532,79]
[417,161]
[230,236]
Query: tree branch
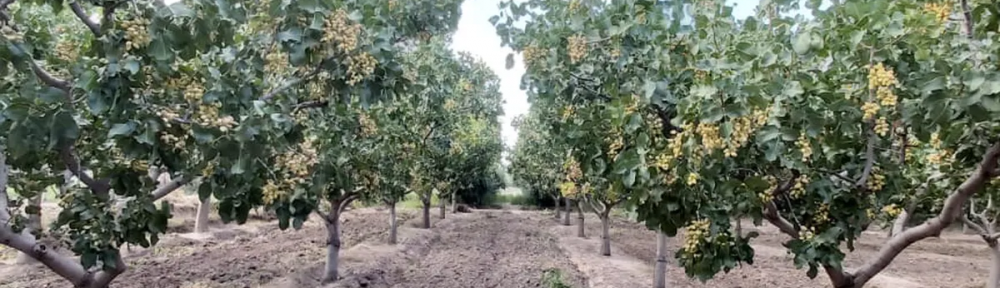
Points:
[974,225]
[950,211]
[900,223]
[99,187]
[170,187]
[290,84]
[347,201]
[869,161]
[311,104]
[94,27]
[4,201]
[771,209]
[967,15]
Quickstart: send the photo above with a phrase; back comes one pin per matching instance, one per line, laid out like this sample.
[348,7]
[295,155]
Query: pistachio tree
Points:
[534,161]
[204,88]
[819,126]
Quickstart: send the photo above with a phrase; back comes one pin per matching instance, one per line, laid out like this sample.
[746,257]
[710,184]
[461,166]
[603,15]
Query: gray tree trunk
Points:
[34,226]
[442,203]
[994,281]
[739,227]
[660,276]
[332,274]
[201,222]
[454,208]
[568,204]
[581,228]
[392,223]
[558,212]
[427,213]
[605,234]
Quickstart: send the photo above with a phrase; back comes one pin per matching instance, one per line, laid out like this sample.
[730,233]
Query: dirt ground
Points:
[486,248]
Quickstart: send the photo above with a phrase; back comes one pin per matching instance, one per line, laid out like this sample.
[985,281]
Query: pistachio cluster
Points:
[616,144]
[294,166]
[567,189]
[692,178]
[937,155]
[799,189]
[766,196]
[822,215]
[193,89]
[11,34]
[136,34]
[531,54]
[743,127]
[882,126]
[360,65]
[695,233]
[807,234]
[577,47]
[892,210]
[449,105]
[674,147]
[178,143]
[710,137]
[341,32]
[67,51]
[941,11]
[805,147]
[877,180]
[574,5]
[368,126]
[208,115]
[881,80]
[275,61]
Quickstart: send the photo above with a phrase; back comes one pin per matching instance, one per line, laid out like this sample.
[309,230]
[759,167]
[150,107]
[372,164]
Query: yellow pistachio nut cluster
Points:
[941,11]
[822,215]
[208,115]
[393,4]
[574,5]
[743,127]
[710,138]
[531,55]
[67,51]
[294,165]
[341,32]
[275,61]
[11,34]
[695,233]
[368,126]
[799,189]
[807,234]
[136,34]
[877,180]
[573,171]
[805,147]
[881,80]
[772,183]
[360,65]
[616,146]
[271,192]
[177,143]
[881,126]
[692,179]
[577,47]
[892,210]
[567,189]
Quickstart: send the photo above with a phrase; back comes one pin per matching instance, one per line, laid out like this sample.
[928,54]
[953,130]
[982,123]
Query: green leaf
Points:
[122,129]
[64,128]
[990,103]
[159,50]
[179,9]
[629,179]
[293,34]
[802,42]
[51,94]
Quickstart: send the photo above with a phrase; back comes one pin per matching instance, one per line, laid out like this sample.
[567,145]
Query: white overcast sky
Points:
[477,36]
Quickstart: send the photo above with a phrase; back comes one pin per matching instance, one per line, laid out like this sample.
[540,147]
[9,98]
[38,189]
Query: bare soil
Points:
[485,248]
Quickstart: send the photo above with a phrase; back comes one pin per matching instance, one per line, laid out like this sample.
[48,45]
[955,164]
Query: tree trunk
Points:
[739,227]
[568,204]
[581,228]
[994,281]
[392,223]
[454,208]
[660,276]
[558,212]
[201,222]
[34,226]
[605,234]
[427,213]
[332,274]
[442,203]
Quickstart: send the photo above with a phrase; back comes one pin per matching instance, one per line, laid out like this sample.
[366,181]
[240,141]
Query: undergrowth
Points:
[552,278]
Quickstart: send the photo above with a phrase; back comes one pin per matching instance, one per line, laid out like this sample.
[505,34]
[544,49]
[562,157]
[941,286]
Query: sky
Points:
[475,35]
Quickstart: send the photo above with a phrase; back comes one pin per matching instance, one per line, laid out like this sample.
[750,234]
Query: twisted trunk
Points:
[201,222]
[660,276]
